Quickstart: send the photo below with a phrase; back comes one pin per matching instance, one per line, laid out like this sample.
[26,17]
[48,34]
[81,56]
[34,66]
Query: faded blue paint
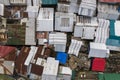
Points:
[49,2]
[113,40]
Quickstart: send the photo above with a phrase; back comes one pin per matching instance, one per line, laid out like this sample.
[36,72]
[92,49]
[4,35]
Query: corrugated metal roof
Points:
[110,1]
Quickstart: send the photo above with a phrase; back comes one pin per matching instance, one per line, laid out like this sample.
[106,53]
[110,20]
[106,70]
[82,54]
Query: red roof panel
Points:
[5,50]
[98,64]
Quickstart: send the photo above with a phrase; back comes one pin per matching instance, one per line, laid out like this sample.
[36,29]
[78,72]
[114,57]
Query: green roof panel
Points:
[109,76]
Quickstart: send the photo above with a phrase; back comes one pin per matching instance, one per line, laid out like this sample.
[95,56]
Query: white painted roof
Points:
[51,67]
[117,28]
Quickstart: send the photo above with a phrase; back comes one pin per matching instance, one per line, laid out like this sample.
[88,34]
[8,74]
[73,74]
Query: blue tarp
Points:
[62,57]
